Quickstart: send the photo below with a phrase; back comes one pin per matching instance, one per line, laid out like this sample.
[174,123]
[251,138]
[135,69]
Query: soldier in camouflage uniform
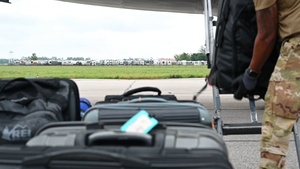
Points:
[282,106]
[282,100]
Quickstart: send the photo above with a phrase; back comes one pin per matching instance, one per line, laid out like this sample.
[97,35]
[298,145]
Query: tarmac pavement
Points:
[243,149]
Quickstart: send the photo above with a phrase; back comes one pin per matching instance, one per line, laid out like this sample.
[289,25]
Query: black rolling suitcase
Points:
[158,107]
[136,93]
[169,145]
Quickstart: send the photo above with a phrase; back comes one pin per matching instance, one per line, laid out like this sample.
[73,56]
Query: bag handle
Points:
[145,99]
[16,80]
[119,138]
[5,88]
[142,89]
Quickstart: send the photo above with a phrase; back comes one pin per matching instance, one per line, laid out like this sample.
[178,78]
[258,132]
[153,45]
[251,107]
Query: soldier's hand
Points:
[243,84]
[240,90]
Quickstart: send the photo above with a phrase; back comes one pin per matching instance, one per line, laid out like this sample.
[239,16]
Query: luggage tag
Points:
[140,122]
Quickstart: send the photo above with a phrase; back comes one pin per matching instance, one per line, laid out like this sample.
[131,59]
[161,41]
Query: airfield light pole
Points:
[10,57]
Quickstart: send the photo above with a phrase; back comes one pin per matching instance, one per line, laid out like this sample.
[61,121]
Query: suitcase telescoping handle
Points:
[142,89]
[118,138]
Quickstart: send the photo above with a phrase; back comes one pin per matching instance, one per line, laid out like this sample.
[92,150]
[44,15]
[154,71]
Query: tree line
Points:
[193,56]
[35,57]
[178,57]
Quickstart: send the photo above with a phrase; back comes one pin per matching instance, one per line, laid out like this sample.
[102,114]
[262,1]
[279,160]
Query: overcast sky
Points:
[53,28]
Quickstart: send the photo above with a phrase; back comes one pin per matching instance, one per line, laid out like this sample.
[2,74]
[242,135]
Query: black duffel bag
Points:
[26,105]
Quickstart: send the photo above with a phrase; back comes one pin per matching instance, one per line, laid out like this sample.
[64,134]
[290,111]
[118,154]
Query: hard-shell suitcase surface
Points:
[163,108]
[168,145]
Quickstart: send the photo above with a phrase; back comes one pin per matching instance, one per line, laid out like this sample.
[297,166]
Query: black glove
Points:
[249,81]
[243,84]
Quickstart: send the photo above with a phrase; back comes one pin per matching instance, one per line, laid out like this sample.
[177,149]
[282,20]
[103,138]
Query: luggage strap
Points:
[201,90]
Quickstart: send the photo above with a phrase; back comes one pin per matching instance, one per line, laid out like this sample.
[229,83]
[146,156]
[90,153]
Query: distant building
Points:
[167,61]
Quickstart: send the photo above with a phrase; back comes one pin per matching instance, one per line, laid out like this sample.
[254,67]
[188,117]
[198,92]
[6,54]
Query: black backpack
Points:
[28,104]
[235,34]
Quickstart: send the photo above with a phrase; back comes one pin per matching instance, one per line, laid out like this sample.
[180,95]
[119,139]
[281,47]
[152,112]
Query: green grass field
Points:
[104,72]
